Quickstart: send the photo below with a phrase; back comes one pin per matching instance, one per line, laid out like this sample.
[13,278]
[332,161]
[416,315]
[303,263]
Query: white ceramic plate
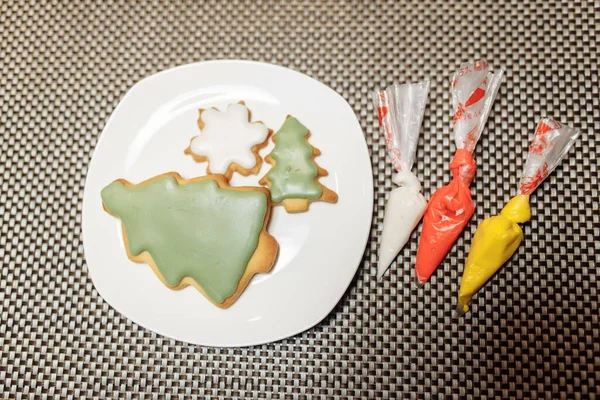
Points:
[320,250]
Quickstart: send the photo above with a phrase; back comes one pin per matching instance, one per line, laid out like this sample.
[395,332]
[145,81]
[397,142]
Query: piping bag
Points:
[400,109]
[474,89]
[498,237]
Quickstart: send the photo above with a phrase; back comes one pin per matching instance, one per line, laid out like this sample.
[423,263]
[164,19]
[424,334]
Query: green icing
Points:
[294,173]
[195,229]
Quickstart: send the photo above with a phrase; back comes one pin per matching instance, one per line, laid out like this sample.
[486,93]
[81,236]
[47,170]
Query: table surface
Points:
[534,331]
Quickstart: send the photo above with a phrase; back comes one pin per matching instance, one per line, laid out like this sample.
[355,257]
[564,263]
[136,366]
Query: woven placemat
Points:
[534,331]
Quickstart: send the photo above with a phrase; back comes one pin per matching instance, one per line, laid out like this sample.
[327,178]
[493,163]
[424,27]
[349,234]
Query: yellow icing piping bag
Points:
[497,238]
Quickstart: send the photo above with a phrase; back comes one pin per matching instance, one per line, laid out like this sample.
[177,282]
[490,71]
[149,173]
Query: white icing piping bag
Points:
[400,109]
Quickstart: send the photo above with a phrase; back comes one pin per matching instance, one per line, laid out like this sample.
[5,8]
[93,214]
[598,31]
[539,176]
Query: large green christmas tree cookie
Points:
[199,232]
[293,179]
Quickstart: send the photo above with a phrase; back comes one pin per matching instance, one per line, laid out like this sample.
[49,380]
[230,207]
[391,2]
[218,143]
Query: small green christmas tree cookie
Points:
[199,232]
[293,179]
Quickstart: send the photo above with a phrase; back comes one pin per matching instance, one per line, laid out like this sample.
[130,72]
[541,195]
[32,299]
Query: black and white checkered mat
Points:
[534,331]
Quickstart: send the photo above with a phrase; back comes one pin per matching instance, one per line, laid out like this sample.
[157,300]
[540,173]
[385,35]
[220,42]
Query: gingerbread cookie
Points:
[293,179]
[229,141]
[199,232]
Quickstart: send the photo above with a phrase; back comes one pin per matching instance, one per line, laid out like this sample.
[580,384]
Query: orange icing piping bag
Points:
[497,238]
[400,109]
[474,89]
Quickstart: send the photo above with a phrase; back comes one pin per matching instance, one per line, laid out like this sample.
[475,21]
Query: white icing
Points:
[403,211]
[228,137]
[407,178]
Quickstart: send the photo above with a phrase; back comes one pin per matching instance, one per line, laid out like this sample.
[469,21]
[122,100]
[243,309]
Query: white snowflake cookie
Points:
[229,141]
